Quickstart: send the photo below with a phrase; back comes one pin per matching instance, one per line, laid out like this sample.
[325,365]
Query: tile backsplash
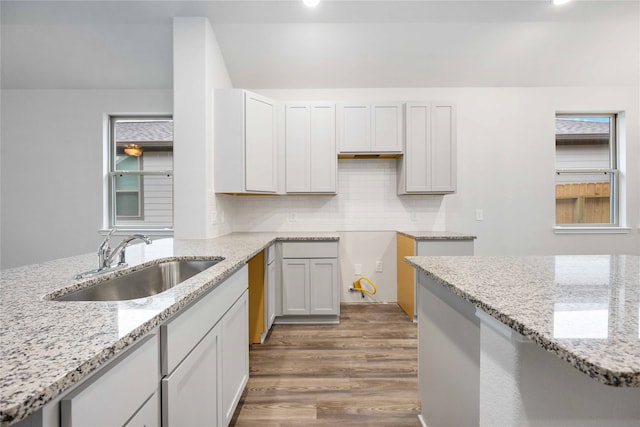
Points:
[366,200]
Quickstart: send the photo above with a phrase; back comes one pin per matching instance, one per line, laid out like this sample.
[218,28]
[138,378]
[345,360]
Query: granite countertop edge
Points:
[437,235]
[15,410]
[598,373]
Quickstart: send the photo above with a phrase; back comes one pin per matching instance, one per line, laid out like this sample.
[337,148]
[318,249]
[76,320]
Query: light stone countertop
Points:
[437,235]
[585,309]
[48,346]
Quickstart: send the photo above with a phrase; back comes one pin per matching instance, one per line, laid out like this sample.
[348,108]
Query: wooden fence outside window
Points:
[583,203]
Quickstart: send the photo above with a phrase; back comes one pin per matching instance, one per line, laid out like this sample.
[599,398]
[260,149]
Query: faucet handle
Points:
[105,242]
[104,250]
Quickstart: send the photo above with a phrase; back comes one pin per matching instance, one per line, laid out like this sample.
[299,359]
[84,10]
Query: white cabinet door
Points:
[429,163]
[235,357]
[260,144]
[443,147]
[325,298]
[148,415]
[271,295]
[310,137]
[297,148]
[386,133]
[370,128]
[190,393]
[245,143]
[354,128]
[115,395]
[417,150]
[295,286]
[323,157]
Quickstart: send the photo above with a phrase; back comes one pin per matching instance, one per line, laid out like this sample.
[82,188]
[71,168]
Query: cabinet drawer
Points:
[317,249]
[181,334]
[111,398]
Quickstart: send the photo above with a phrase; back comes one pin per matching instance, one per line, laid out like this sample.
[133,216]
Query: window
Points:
[586,170]
[141,173]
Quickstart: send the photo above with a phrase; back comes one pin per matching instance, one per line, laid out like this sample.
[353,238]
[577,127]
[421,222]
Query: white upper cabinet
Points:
[310,147]
[386,131]
[429,162]
[354,128]
[246,148]
[443,147]
[370,128]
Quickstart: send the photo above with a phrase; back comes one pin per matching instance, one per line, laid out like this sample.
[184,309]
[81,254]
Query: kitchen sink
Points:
[145,282]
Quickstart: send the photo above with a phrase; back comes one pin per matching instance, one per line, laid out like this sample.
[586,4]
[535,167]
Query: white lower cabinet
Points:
[191,373]
[190,393]
[206,357]
[310,284]
[323,289]
[235,357]
[113,396]
[148,415]
[295,286]
[270,284]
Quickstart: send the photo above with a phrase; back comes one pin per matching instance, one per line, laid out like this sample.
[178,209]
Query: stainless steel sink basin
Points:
[142,283]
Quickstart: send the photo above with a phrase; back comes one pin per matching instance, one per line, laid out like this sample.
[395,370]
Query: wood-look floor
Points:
[362,372]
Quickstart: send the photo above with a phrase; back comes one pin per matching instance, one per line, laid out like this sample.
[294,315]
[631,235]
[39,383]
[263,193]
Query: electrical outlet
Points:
[479,215]
[213,218]
[292,217]
[357,269]
[378,266]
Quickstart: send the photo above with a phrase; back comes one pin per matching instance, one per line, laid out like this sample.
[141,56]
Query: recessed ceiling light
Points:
[311,3]
[559,2]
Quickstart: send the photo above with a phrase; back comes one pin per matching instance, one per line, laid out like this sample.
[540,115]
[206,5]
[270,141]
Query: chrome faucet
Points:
[106,256]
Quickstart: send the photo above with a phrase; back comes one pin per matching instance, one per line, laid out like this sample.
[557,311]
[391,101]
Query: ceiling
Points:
[275,44]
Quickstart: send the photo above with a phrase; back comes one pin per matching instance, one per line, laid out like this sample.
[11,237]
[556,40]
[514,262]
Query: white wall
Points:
[52,167]
[197,69]
[53,154]
[506,162]
[366,211]
[366,201]
[365,248]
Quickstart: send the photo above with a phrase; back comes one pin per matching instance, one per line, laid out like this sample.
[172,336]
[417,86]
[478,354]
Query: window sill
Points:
[591,230]
[168,232]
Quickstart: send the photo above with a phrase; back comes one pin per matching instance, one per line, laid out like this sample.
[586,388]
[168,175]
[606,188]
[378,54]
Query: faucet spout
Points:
[118,251]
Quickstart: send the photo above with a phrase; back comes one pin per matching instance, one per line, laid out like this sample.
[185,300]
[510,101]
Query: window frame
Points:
[112,218]
[613,170]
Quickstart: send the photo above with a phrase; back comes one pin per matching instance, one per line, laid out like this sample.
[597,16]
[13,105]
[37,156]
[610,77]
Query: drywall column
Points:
[198,68]
[521,384]
[448,357]
[500,401]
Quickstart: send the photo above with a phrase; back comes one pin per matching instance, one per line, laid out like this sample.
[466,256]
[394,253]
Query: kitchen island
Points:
[48,347]
[515,341]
